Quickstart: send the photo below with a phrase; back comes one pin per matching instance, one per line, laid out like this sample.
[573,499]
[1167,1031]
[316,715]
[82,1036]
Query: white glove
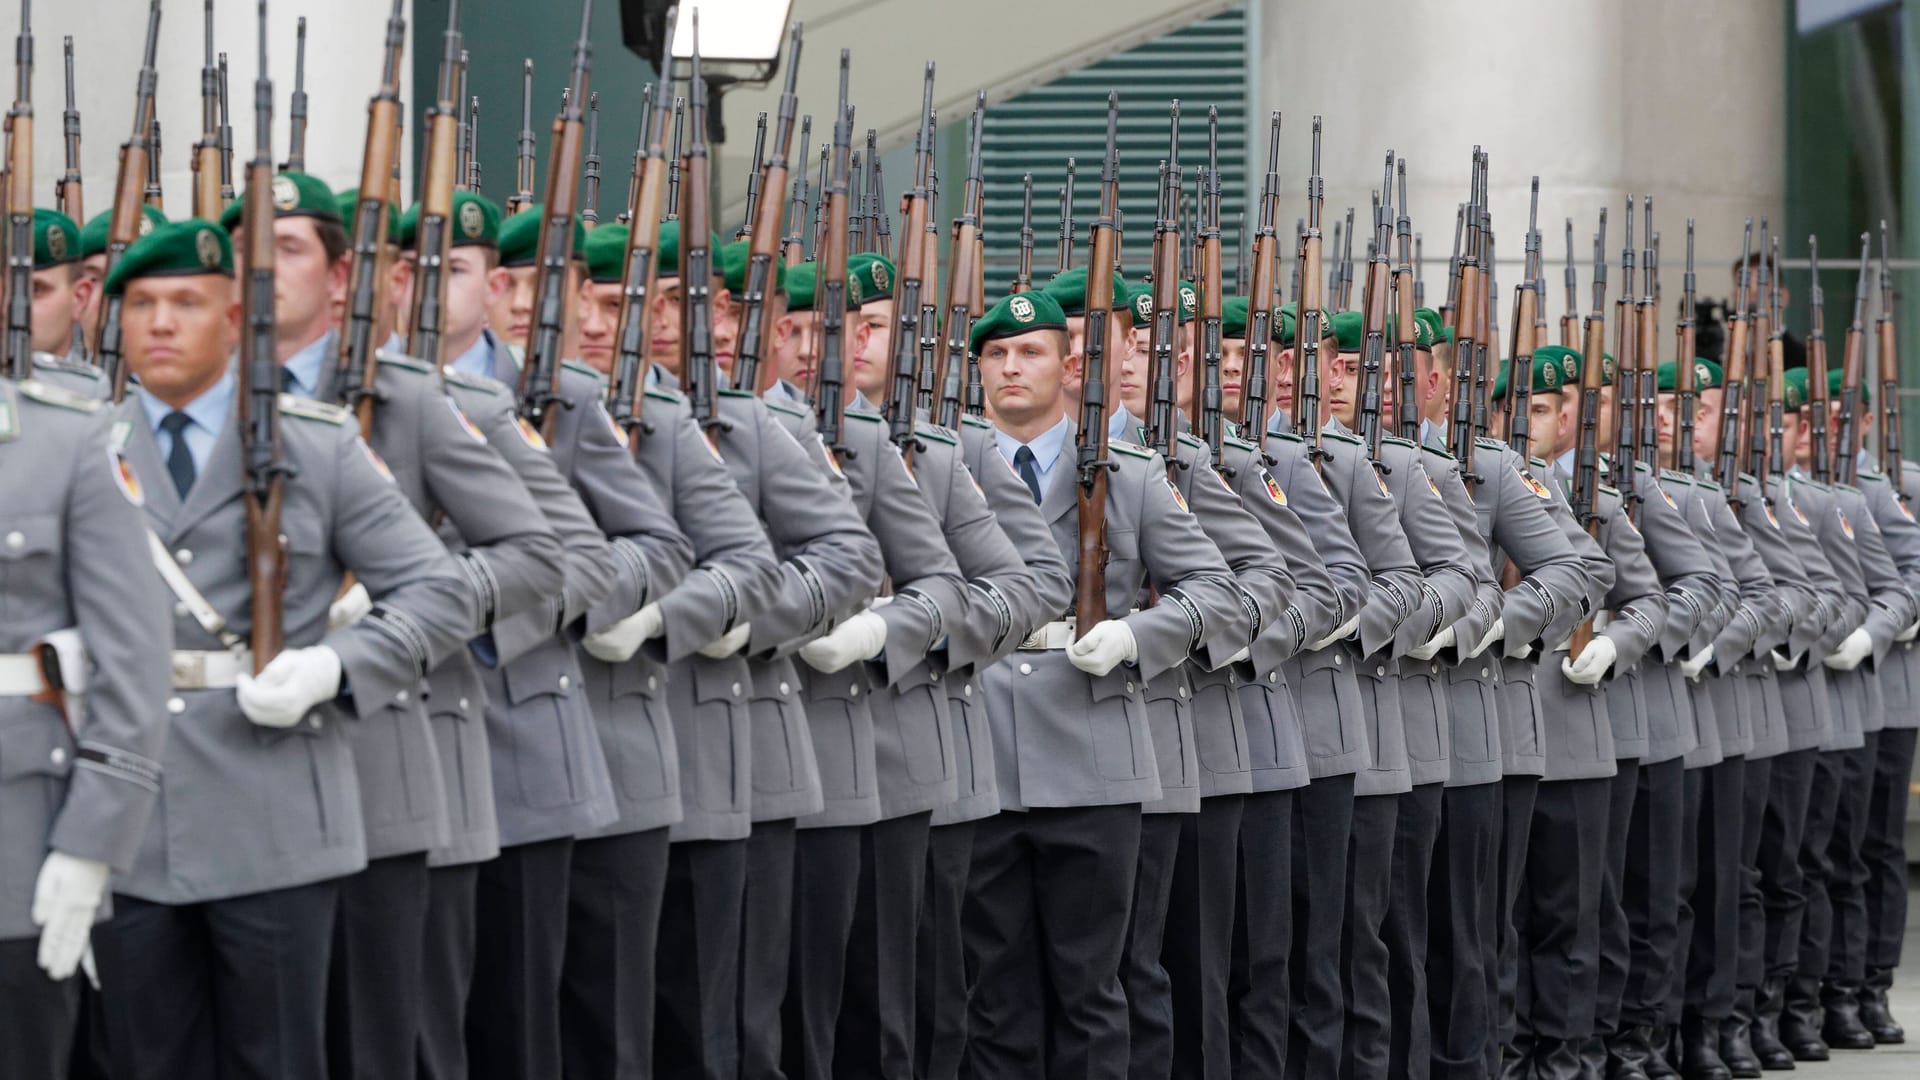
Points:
[65,898]
[349,607]
[1104,647]
[617,643]
[728,643]
[1909,633]
[1697,663]
[859,638]
[1857,647]
[1593,663]
[1783,662]
[1338,635]
[1434,644]
[1246,652]
[1496,632]
[292,683]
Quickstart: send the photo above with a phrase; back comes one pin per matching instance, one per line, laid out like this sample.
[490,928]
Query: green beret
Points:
[1016,315]
[875,274]
[1284,318]
[1142,300]
[1430,328]
[349,201]
[520,236]
[606,253]
[1549,375]
[1608,366]
[1349,330]
[1793,389]
[1706,375]
[476,223]
[56,239]
[1833,385]
[93,238]
[733,260]
[1140,304]
[666,252]
[177,249]
[1233,317]
[803,281]
[295,194]
[1069,290]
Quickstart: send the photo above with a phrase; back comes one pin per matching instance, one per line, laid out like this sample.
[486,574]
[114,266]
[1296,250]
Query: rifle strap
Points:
[197,605]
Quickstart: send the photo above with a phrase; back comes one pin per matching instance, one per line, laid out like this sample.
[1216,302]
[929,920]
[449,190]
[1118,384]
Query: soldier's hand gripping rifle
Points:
[831,300]
[1207,395]
[369,226]
[1162,417]
[1733,406]
[1090,442]
[696,253]
[297,113]
[756,330]
[259,412]
[207,203]
[959,369]
[1890,433]
[1373,306]
[523,154]
[127,191]
[19,337]
[627,393]
[1685,392]
[1306,338]
[1260,293]
[433,236]
[67,191]
[903,331]
[1586,452]
[552,295]
[1817,368]
[1846,440]
[590,212]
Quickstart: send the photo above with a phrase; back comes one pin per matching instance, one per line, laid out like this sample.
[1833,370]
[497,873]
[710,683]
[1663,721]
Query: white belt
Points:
[212,670]
[1054,635]
[20,675]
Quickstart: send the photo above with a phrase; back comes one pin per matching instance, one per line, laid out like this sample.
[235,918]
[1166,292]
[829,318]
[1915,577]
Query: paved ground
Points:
[1901,1061]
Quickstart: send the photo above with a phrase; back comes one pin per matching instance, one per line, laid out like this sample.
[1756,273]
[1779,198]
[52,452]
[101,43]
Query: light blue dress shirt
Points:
[304,366]
[479,360]
[209,413]
[1046,446]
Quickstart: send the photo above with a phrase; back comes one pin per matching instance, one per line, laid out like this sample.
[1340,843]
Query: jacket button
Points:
[1380,672]
[1483,673]
[1129,688]
[463,704]
[935,676]
[401,697]
[653,682]
[1273,676]
[967,690]
[16,539]
[1435,669]
[786,687]
[1338,660]
[854,690]
[313,721]
[1027,669]
[1183,691]
[183,557]
[736,689]
[176,706]
[566,681]
[59,755]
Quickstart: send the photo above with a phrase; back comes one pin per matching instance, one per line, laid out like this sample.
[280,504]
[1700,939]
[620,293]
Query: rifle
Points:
[1683,383]
[930,340]
[1586,454]
[1419,272]
[1817,367]
[1403,303]
[1486,320]
[1570,318]
[1065,246]
[1890,433]
[462,159]
[1023,273]
[1260,293]
[1852,361]
[358,371]
[1240,252]
[523,156]
[154,196]
[1772,459]
[1346,265]
[67,191]
[1759,340]
[627,391]
[674,159]
[433,236]
[1527,301]
[696,253]
[540,379]
[1162,407]
[1646,349]
[793,243]
[1333,272]
[830,300]
[19,338]
[763,221]
[745,231]
[297,114]
[1373,305]
[1732,412]
[903,333]
[1462,288]
[1090,442]
[473,146]
[875,227]
[1449,311]
[1625,340]
[259,406]
[856,207]
[590,212]
[954,354]
[206,153]
[1207,392]
[1306,338]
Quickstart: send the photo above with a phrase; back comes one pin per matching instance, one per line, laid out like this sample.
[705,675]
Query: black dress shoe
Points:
[1700,1050]
[1873,1008]
[1660,1062]
[1735,1049]
[1764,1032]
[1800,1020]
[1593,1058]
[1627,1053]
[1516,1059]
[1841,1029]
[1556,1059]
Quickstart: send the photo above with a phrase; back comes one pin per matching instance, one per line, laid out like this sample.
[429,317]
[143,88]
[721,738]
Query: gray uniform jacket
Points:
[1695,498]
[1468,742]
[500,541]
[1831,517]
[1062,737]
[1693,587]
[73,555]
[670,719]
[1050,595]
[75,376]
[1823,614]
[1900,672]
[245,809]
[1752,620]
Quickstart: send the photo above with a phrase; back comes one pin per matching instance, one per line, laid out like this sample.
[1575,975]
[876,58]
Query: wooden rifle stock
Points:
[259,413]
[1890,433]
[19,335]
[1260,294]
[364,284]
[124,226]
[646,194]
[1090,445]
[207,203]
[433,236]
[1852,365]
[1207,395]
[765,234]
[67,191]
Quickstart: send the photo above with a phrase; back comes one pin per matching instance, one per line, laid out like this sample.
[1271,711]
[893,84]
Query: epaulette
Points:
[67,367]
[1489,442]
[1703,482]
[308,409]
[728,391]
[1613,491]
[468,381]
[1810,482]
[977,421]
[663,393]
[1438,451]
[871,418]
[1192,440]
[1129,449]
[1238,443]
[1878,477]
[1286,435]
[786,407]
[581,367]
[1538,463]
[936,433]
[1341,436]
[402,360]
[1395,440]
[1676,476]
[49,394]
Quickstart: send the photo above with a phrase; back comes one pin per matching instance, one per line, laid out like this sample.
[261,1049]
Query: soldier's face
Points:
[1665,428]
[1543,424]
[473,287]
[1433,381]
[795,345]
[1131,382]
[1140,338]
[1233,376]
[663,324]
[1283,378]
[599,324]
[179,332]
[1023,377]
[726,327]
[1706,424]
[1339,384]
[1796,436]
[1569,426]
[94,269]
[60,293]
[306,284]
[510,315]
[1604,429]
[867,366]
[399,291]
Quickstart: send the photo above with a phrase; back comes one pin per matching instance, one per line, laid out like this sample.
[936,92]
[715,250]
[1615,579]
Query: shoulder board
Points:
[1437,451]
[1395,440]
[1538,463]
[936,433]
[481,383]
[1238,443]
[1703,482]
[661,393]
[48,394]
[1287,436]
[1129,449]
[728,391]
[1489,442]
[1676,476]
[581,367]
[1878,478]
[1814,484]
[977,421]
[785,407]
[1341,436]
[1192,440]
[400,360]
[871,418]
[308,409]
[67,367]
[1613,491]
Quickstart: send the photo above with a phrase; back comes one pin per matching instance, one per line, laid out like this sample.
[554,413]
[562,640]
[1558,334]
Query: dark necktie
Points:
[179,457]
[1023,461]
[289,383]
